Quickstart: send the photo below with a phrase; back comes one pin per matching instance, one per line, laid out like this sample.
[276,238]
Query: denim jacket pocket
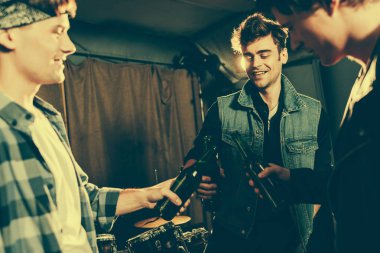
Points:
[301,152]
[301,145]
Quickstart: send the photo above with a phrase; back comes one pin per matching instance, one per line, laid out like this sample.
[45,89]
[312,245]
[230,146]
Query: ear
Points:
[333,7]
[7,39]
[284,56]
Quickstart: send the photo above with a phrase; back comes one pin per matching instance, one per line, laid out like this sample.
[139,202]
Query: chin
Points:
[56,80]
[330,60]
[261,86]
[59,78]
[258,83]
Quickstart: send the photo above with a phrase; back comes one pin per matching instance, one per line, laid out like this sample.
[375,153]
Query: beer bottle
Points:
[186,183]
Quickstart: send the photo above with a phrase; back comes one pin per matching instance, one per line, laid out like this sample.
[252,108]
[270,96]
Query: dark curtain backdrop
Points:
[125,121]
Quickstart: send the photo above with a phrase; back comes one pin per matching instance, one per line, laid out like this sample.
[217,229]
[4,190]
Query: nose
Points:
[67,45]
[256,62]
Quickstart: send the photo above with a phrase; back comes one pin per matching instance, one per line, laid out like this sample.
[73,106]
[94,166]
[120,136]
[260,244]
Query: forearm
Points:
[210,127]
[131,200]
[309,186]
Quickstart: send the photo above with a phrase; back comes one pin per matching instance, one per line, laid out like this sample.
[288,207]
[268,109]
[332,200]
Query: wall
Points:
[124,43]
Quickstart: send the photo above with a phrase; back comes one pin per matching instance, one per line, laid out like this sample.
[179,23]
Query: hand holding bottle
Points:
[162,190]
[207,188]
[131,200]
[272,169]
[186,183]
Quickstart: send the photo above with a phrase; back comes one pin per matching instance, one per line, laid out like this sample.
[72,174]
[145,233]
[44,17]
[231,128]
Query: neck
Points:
[16,87]
[271,94]
[364,34]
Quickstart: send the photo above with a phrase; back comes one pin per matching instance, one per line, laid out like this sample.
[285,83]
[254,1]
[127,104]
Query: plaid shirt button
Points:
[28,116]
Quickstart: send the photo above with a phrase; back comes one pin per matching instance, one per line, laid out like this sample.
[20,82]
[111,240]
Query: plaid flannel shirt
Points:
[27,191]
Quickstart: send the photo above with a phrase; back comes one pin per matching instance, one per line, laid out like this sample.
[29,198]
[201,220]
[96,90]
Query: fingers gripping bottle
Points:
[270,187]
[186,183]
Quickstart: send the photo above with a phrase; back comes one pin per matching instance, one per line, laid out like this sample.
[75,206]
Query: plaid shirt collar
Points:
[18,117]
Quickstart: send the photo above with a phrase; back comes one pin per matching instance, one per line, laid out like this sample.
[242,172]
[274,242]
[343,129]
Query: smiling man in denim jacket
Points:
[282,127]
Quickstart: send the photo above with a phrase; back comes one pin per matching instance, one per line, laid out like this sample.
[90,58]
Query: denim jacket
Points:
[298,138]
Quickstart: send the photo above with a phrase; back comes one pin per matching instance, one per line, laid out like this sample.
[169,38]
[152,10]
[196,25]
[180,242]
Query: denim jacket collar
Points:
[292,100]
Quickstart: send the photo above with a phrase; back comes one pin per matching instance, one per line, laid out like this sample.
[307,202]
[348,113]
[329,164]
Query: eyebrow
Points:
[264,51]
[259,52]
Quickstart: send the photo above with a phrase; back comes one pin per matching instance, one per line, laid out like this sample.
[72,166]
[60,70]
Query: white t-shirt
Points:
[55,154]
[362,87]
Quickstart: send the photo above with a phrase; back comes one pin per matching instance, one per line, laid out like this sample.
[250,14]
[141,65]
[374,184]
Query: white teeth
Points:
[259,73]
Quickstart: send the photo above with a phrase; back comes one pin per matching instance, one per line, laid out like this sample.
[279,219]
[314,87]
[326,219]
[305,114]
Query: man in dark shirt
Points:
[282,127]
[333,30]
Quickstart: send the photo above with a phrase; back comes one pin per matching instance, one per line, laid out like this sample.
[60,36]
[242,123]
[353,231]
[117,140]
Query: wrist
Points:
[131,200]
[141,197]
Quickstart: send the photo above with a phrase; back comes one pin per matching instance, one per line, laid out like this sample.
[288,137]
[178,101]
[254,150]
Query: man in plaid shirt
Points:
[46,201]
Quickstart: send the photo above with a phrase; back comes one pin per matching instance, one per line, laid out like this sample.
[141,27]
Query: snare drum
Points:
[196,240]
[106,243]
[166,238]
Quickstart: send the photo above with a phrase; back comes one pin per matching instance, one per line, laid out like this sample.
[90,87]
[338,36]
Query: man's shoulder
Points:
[230,96]
[230,101]
[308,99]
[7,134]
[4,126]
[46,106]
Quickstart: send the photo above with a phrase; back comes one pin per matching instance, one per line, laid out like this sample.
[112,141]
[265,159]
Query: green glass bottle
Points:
[186,183]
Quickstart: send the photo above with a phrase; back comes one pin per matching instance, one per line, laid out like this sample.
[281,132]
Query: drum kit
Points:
[162,236]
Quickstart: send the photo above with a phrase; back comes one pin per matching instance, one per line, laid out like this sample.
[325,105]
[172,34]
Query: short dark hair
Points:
[289,7]
[257,26]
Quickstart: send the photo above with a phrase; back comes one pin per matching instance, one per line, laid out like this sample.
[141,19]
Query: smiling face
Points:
[41,48]
[318,31]
[263,62]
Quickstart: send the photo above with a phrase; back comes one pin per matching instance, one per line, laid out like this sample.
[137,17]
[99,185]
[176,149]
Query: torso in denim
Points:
[298,138]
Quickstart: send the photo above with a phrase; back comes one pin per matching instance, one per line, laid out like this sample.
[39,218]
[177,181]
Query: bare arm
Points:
[131,200]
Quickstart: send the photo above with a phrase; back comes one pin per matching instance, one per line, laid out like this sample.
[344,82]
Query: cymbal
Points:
[157,221]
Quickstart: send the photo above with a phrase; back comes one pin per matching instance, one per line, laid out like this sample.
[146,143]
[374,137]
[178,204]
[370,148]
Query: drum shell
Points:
[196,240]
[106,243]
[166,238]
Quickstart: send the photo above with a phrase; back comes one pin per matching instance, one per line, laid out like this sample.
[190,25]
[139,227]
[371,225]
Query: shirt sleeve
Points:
[323,156]
[103,203]
[211,127]
[310,185]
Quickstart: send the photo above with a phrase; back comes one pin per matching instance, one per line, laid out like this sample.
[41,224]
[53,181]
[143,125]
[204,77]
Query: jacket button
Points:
[361,132]
[248,208]
[243,232]
[28,116]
